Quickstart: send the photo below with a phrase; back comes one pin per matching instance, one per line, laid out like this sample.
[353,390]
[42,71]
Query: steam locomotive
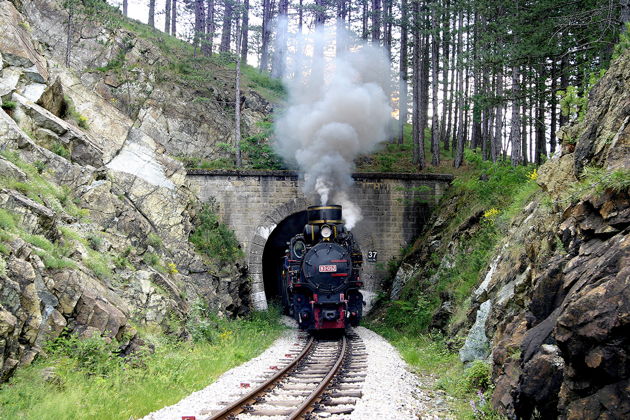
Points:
[320,275]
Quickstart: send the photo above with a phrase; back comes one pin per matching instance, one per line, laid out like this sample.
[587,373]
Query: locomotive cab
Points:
[321,273]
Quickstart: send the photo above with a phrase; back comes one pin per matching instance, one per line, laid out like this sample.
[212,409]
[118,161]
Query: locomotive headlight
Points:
[326,231]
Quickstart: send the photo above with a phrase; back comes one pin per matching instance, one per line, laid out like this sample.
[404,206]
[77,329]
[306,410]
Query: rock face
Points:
[187,115]
[560,326]
[552,311]
[94,214]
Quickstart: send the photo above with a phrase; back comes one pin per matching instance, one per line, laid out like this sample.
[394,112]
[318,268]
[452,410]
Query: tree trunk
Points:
[200,23]
[174,18]
[564,84]
[266,34]
[539,121]
[245,32]
[477,133]
[125,7]
[404,70]
[387,27]
[364,20]
[554,107]
[515,133]
[452,114]
[459,149]
[417,129]
[167,16]
[424,85]
[496,140]
[210,28]
[301,16]
[151,13]
[376,20]
[435,122]
[524,128]
[340,24]
[226,31]
[279,58]
[446,27]
[465,122]
[237,102]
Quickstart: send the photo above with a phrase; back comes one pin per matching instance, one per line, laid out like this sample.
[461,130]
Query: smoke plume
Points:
[338,108]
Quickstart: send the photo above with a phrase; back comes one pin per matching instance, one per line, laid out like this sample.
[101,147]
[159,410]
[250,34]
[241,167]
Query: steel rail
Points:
[311,399]
[237,406]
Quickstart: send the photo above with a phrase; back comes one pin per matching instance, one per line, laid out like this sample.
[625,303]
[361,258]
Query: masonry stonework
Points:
[253,203]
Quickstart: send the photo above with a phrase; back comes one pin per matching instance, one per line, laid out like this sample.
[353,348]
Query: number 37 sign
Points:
[371,256]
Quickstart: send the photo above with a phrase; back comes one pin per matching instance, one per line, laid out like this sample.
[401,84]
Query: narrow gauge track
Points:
[325,377]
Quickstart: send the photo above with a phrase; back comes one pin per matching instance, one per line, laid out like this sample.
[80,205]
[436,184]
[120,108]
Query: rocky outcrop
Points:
[186,109]
[560,321]
[551,312]
[95,215]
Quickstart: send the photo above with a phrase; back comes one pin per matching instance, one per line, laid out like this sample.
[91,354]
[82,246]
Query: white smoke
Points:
[338,108]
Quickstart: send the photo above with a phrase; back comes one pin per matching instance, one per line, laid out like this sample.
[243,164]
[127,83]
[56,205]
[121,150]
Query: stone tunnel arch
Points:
[267,248]
[254,203]
[289,211]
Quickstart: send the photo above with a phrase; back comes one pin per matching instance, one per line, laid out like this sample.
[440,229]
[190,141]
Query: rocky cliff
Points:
[95,213]
[551,310]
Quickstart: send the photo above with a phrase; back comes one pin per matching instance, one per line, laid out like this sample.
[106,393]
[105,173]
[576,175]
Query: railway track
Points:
[321,379]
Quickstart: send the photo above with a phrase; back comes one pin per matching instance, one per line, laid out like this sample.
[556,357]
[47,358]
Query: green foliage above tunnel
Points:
[214,239]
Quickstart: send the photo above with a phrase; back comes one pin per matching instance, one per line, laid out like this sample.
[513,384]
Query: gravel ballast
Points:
[390,390]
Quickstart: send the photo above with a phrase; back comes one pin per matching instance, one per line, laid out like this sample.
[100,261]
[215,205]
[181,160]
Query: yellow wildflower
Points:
[491,214]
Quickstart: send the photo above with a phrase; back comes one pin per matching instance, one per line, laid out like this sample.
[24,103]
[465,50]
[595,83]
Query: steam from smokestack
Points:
[338,108]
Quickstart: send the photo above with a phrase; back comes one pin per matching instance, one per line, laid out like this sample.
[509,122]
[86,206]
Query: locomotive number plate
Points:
[328,268]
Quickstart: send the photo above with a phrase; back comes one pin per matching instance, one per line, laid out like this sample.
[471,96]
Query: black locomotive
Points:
[321,273]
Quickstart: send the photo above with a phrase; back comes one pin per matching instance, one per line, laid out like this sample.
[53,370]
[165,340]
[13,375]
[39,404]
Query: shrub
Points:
[7,219]
[258,152]
[57,263]
[477,376]
[72,113]
[94,241]
[214,239]
[151,259]
[154,240]
[201,324]
[61,150]
[94,356]
[39,241]
[8,105]
[40,166]
[386,163]
[99,264]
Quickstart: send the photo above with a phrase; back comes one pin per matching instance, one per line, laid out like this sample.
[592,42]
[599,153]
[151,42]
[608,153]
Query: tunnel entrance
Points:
[273,254]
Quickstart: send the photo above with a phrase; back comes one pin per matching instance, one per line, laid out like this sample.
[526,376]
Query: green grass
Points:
[394,157]
[7,219]
[94,384]
[496,190]
[8,105]
[488,196]
[429,355]
[595,181]
[214,239]
[38,188]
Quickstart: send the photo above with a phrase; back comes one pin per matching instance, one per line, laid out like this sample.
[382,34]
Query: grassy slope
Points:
[90,382]
[499,191]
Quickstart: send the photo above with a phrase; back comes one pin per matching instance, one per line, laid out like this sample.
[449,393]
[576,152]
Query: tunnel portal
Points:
[274,251]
